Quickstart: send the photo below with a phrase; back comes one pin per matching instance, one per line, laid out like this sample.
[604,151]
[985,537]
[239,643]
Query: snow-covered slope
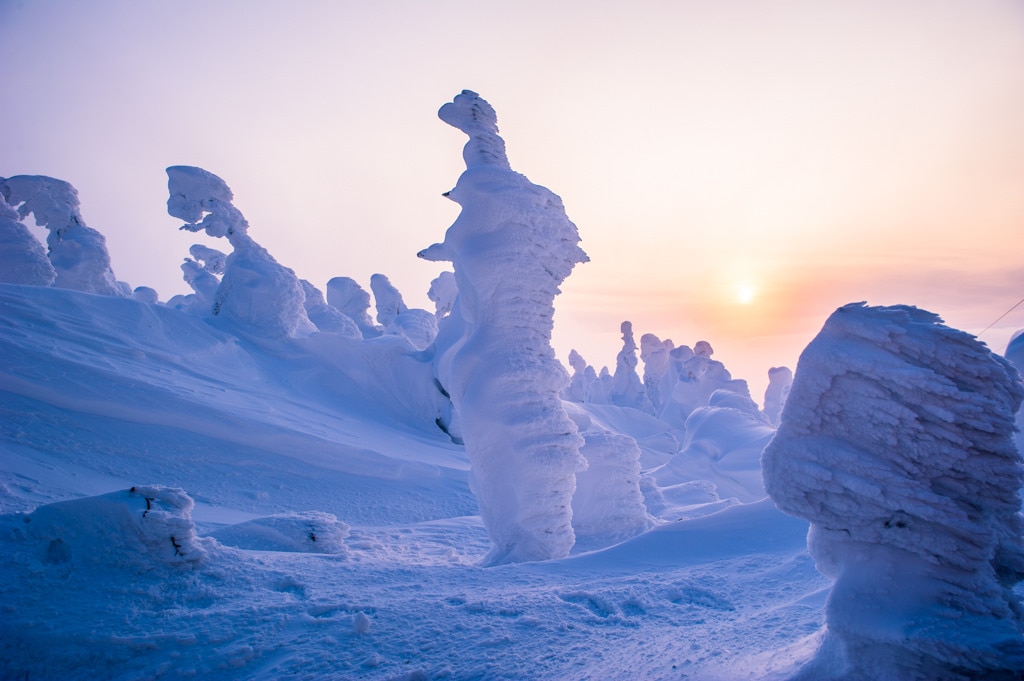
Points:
[276,443]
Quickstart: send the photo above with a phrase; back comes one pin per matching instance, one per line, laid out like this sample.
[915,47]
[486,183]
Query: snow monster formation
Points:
[511,247]
[896,443]
[258,294]
[77,252]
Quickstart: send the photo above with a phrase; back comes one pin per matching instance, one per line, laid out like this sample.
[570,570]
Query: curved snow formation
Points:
[511,246]
[22,258]
[77,252]
[896,443]
[258,294]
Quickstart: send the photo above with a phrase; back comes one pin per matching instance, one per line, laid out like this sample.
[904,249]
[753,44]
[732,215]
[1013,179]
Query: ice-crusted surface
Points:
[22,258]
[257,294]
[896,443]
[77,252]
[511,247]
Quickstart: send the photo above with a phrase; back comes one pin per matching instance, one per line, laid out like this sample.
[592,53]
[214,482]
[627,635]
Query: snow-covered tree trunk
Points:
[896,443]
[511,247]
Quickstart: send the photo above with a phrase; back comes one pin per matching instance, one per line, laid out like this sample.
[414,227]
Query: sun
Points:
[745,293]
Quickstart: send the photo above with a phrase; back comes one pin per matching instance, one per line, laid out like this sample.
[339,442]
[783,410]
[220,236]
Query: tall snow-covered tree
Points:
[511,246]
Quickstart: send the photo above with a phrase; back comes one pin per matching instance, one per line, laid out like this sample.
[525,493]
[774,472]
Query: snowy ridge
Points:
[896,444]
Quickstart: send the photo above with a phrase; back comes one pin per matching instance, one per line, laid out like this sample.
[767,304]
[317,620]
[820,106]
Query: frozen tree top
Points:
[53,202]
[474,116]
[203,201]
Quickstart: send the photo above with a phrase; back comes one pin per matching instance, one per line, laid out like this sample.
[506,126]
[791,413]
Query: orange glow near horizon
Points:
[736,169]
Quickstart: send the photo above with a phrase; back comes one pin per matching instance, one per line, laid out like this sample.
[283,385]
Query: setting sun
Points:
[745,294]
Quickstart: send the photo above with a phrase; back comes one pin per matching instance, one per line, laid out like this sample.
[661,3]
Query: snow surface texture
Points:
[275,442]
[258,294]
[896,443]
[511,246]
[77,253]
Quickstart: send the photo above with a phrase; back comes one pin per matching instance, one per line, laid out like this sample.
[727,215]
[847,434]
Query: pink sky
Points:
[736,169]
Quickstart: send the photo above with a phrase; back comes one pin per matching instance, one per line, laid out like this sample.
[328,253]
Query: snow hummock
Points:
[896,443]
[511,247]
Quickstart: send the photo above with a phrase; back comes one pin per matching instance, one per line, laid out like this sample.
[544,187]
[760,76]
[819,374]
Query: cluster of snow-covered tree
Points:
[896,441]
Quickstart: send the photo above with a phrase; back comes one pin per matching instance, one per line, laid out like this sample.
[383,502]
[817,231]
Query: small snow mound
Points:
[140,528]
[306,532]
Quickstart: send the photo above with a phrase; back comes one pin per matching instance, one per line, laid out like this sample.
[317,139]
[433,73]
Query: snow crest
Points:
[896,443]
[511,246]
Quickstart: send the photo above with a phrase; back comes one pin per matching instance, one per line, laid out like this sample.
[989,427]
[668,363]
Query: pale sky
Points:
[737,169]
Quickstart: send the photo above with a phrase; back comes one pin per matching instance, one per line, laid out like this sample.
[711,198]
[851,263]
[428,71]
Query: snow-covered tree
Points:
[324,316]
[417,326]
[780,379]
[348,297]
[77,252]
[655,355]
[627,389]
[442,293]
[22,258]
[896,443]
[511,246]
[257,294]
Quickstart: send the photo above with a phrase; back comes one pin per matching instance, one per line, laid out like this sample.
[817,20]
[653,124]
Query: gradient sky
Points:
[737,169]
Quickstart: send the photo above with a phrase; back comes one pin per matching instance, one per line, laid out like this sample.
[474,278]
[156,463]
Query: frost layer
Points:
[511,247]
[896,444]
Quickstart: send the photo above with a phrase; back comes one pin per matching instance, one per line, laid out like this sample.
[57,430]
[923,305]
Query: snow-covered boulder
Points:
[305,532]
[138,529]
[77,252]
[896,443]
[511,246]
